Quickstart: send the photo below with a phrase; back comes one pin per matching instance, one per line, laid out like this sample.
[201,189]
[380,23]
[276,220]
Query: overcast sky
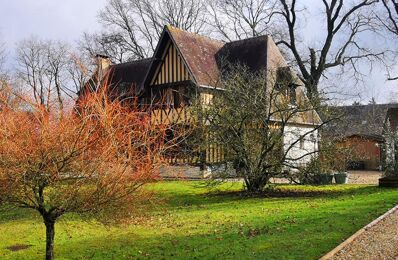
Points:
[68,19]
[54,19]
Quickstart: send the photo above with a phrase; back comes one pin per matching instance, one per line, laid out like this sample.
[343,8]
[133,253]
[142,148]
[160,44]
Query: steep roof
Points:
[200,54]
[129,74]
[251,52]
[204,56]
[364,120]
[205,59]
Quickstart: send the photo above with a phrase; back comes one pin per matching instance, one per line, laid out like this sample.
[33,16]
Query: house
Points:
[360,128]
[185,65]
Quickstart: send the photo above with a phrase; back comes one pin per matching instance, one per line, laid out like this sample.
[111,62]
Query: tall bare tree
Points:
[80,68]
[50,70]
[108,44]
[390,21]
[4,87]
[57,60]
[346,21]
[32,69]
[133,27]
[391,6]
[240,19]
[7,91]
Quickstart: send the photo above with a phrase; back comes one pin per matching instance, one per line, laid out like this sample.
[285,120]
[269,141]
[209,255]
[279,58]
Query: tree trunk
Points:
[50,233]
[255,185]
[254,188]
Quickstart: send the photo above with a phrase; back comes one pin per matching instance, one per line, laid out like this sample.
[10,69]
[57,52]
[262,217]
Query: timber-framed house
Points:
[184,65]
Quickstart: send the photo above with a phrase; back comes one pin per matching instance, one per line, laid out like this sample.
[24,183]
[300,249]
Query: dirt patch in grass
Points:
[18,247]
[253,232]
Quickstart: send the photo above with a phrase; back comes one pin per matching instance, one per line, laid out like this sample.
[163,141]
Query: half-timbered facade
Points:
[187,65]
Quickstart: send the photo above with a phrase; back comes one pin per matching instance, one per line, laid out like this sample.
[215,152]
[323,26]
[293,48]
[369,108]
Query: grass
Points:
[295,222]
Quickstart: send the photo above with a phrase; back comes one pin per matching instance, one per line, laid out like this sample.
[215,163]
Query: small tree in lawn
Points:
[91,161]
[249,117]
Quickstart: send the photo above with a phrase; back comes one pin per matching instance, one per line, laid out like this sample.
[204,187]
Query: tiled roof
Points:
[364,120]
[205,56]
[251,52]
[129,74]
[199,53]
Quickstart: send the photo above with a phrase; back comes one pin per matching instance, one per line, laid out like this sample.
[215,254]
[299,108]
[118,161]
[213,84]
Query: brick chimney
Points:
[103,62]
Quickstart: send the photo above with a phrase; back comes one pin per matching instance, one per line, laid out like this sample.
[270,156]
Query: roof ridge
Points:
[195,34]
[250,38]
[213,39]
[132,61]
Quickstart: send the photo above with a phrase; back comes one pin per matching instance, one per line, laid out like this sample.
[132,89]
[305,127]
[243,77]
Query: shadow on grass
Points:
[298,191]
[214,196]
[229,230]
[255,237]
[9,213]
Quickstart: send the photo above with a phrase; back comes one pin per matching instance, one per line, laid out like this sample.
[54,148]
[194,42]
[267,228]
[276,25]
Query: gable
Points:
[199,52]
[172,67]
[275,58]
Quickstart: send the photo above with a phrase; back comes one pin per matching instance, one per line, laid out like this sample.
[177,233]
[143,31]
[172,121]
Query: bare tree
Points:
[80,68]
[258,137]
[32,69]
[7,91]
[132,27]
[345,23]
[240,19]
[391,6]
[108,44]
[57,59]
[50,70]
[391,23]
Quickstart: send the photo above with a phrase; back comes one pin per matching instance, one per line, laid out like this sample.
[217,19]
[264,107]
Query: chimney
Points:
[103,62]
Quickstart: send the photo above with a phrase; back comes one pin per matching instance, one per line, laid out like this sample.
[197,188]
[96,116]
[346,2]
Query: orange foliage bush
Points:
[92,159]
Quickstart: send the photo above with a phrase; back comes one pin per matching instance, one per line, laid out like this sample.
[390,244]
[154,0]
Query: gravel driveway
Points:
[354,177]
[379,241]
[364,177]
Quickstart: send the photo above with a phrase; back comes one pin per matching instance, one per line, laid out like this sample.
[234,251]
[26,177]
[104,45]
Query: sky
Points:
[66,20]
[48,19]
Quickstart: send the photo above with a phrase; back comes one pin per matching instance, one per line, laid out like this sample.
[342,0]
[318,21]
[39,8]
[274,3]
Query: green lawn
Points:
[193,223]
